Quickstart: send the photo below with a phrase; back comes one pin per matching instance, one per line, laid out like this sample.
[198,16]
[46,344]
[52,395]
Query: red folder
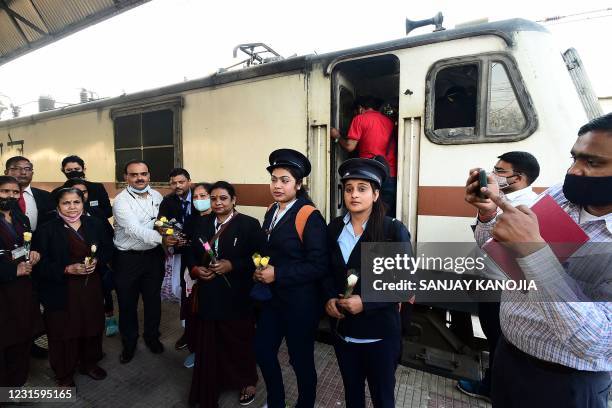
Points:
[557,228]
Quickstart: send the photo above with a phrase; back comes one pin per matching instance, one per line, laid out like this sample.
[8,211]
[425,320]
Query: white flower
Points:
[351,280]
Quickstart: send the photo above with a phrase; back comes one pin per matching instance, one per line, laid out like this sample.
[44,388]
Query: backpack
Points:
[300,219]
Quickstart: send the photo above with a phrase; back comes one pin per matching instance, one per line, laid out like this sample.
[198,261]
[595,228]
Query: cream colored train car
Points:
[461,97]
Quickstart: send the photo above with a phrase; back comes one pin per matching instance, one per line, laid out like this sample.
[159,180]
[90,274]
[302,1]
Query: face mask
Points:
[136,191]
[7,203]
[584,190]
[75,174]
[202,205]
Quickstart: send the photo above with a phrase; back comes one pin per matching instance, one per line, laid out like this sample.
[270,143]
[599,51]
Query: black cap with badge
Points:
[364,169]
[289,158]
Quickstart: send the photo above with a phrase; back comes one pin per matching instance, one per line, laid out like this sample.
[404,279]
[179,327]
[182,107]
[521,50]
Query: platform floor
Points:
[162,381]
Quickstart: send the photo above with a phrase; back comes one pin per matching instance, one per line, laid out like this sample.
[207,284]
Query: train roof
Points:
[505,29]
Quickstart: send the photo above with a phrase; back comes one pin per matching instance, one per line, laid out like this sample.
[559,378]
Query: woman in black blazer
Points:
[224,358]
[289,288]
[19,311]
[368,337]
[69,282]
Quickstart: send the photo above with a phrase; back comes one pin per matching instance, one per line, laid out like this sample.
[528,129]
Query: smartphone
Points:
[482,181]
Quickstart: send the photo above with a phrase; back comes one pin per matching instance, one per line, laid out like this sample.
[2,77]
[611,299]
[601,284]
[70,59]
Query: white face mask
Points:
[502,182]
[136,191]
[202,205]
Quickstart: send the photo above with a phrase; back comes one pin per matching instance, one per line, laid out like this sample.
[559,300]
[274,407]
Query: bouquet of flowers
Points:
[260,291]
[89,260]
[213,258]
[27,243]
[171,227]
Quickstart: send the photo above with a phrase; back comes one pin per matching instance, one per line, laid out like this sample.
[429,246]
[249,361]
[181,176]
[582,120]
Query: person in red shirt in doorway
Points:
[373,134]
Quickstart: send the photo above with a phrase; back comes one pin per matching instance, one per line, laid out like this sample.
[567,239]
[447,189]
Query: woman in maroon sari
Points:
[74,250]
[19,311]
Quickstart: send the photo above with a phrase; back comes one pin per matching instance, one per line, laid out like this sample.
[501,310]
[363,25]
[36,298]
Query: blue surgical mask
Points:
[202,205]
[136,191]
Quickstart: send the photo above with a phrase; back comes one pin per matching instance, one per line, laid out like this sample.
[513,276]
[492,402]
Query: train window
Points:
[477,99]
[150,133]
[504,115]
[455,105]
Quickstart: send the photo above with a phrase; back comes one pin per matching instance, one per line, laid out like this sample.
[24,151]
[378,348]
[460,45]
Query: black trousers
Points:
[374,362]
[522,381]
[138,273]
[488,314]
[298,329]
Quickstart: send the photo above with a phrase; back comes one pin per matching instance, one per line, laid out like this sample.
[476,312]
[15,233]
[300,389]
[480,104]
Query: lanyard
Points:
[217,228]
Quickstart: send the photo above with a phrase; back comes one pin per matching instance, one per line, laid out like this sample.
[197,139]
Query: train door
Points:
[375,77]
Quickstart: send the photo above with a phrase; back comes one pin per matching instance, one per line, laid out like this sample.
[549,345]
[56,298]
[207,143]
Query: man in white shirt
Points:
[514,173]
[35,203]
[139,260]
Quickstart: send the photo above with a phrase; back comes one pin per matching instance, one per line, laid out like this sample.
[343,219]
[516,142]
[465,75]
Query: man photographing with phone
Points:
[556,352]
[514,173]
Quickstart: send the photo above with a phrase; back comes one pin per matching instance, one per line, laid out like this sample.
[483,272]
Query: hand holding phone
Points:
[482,181]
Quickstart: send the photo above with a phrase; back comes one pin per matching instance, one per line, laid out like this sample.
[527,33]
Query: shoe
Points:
[245,398]
[474,389]
[155,346]
[38,352]
[189,361]
[127,355]
[181,343]
[95,372]
[111,327]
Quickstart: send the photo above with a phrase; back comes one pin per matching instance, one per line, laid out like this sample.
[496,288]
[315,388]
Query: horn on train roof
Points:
[435,20]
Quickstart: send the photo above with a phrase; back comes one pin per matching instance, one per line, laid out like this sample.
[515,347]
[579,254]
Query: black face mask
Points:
[75,174]
[584,190]
[7,204]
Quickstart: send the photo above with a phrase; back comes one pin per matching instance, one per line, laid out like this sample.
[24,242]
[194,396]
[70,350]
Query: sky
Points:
[168,41]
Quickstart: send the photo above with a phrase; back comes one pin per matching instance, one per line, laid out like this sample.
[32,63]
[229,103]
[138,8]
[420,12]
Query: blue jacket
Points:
[299,267]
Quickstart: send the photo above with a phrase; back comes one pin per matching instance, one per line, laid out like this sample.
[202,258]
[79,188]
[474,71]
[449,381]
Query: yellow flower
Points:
[264,261]
[163,219]
[256,259]
[169,231]
[27,236]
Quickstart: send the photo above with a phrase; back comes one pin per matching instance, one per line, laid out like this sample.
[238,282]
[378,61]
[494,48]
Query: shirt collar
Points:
[28,190]
[188,199]
[347,219]
[574,209]
[519,193]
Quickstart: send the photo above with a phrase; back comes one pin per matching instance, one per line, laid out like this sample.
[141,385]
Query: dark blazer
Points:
[299,266]
[170,207]
[378,319]
[237,244]
[51,240]
[19,308]
[96,196]
[8,268]
[44,204]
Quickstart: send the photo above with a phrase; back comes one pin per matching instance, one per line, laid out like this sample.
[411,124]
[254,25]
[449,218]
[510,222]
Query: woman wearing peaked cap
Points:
[288,287]
[368,337]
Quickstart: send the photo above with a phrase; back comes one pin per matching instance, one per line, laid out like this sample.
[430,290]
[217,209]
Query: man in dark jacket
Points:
[178,205]
[74,167]
[33,202]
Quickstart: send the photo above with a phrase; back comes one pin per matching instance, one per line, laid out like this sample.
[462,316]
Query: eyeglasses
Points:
[20,169]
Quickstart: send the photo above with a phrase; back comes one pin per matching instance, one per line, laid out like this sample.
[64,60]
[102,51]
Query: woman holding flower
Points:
[75,249]
[19,311]
[368,334]
[288,288]
[220,259]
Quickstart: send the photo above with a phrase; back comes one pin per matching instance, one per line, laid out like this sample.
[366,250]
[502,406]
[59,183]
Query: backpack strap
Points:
[301,218]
